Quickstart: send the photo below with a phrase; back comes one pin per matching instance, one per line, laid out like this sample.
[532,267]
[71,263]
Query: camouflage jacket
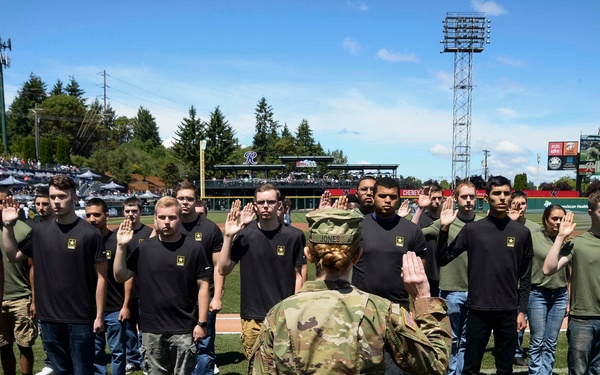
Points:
[331,327]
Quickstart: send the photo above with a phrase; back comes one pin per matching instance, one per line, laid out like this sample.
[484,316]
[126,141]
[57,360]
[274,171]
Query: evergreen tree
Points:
[57,89]
[339,157]
[520,181]
[46,151]
[19,120]
[28,148]
[121,131]
[305,142]
[73,89]
[186,145]
[146,130]
[265,132]
[63,154]
[221,142]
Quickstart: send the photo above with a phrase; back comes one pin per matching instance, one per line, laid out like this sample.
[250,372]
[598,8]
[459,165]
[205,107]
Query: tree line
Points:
[73,131]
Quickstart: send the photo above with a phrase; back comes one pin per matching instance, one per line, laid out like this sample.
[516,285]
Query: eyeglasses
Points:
[189,199]
[269,203]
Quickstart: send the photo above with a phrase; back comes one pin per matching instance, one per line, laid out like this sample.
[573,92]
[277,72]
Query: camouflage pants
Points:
[166,354]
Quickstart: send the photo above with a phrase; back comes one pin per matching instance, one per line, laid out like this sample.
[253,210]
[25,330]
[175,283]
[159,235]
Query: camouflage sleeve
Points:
[262,359]
[421,347]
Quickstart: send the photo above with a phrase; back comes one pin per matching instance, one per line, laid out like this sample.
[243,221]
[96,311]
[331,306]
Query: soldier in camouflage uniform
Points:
[330,327]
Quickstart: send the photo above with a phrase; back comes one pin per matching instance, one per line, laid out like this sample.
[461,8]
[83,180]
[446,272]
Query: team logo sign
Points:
[180,260]
[510,242]
[198,236]
[108,254]
[399,241]
[250,156]
[71,244]
[280,250]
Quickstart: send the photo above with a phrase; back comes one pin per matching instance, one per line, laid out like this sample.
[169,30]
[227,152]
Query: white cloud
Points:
[507,61]
[441,151]
[363,162]
[491,8]
[391,56]
[351,45]
[519,160]
[507,112]
[445,79]
[358,5]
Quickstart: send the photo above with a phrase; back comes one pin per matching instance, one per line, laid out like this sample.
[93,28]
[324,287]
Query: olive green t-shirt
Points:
[453,276]
[16,275]
[584,253]
[532,226]
[541,246]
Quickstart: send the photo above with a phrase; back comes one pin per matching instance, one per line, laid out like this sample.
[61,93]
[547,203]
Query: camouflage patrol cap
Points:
[334,226]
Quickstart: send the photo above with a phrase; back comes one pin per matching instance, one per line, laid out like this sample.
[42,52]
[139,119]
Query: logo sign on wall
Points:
[562,156]
[589,158]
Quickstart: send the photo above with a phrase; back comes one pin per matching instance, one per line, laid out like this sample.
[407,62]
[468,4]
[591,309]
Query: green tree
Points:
[145,129]
[221,142]
[520,181]
[99,161]
[565,183]
[63,151]
[305,143]
[338,157]
[121,131]
[46,151]
[169,173]
[28,148]
[265,132]
[186,145]
[19,119]
[93,130]
[73,89]
[62,117]
[57,89]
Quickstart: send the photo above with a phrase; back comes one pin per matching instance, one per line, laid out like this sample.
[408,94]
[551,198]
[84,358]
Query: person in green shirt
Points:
[548,298]
[582,252]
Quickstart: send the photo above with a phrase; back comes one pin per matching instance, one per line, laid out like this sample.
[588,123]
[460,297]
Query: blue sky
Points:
[367,75]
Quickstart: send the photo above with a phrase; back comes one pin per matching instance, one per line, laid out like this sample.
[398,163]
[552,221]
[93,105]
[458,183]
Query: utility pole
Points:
[37,130]
[485,164]
[4,63]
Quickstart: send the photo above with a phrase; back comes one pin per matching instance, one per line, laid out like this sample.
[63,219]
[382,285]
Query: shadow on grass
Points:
[230,358]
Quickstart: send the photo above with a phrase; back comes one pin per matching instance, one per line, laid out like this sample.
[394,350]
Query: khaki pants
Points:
[250,330]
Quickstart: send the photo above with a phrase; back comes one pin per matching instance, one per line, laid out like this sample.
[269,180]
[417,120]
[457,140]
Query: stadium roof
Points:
[321,159]
[252,167]
[362,167]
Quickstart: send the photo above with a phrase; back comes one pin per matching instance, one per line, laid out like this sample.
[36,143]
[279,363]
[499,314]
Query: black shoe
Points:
[520,362]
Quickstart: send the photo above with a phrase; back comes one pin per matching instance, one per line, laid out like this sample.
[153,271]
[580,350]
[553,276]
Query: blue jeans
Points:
[520,336]
[547,308]
[584,345]
[134,341]
[69,347]
[205,359]
[457,312]
[117,344]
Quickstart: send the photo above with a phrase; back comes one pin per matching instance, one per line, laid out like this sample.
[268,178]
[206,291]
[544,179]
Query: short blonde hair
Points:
[166,202]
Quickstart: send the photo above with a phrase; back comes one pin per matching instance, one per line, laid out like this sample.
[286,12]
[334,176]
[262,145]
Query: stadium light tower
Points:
[4,62]
[464,35]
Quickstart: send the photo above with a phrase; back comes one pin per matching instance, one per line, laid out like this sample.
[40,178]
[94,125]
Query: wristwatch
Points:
[203,324]
[8,224]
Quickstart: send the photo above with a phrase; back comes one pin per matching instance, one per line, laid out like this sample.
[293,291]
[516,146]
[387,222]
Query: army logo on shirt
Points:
[400,241]
[140,240]
[198,236]
[180,260]
[108,254]
[280,250]
[510,242]
[71,244]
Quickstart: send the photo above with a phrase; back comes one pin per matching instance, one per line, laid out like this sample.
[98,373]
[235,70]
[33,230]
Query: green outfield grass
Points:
[231,359]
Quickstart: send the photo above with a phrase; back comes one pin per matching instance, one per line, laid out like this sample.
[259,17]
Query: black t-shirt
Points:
[64,257]
[500,252]
[267,267]
[115,291]
[432,269]
[384,242]
[139,235]
[204,231]
[168,274]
